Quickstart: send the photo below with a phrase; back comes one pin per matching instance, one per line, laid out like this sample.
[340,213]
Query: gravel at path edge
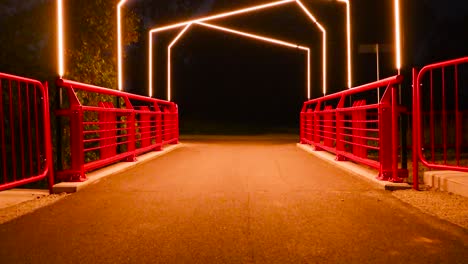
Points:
[447,206]
[9,213]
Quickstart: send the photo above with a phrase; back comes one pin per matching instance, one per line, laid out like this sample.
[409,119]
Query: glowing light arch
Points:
[348,37]
[241,33]
[238,12]
[61,34]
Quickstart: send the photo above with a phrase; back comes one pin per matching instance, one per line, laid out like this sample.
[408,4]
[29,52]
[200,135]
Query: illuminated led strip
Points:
[398,35]
[218,16]
[348,33]
[119,45]
[223,15]
[241,11]
[324,43]
[150,65]
[60,39]
[169,72]
[254,36]
[245,34]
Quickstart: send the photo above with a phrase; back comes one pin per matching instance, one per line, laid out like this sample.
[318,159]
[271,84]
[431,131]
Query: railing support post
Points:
[76,145]
[385,128]
[340,119]
[175,126]
[158,127]
[317,122]
[302,126]
[48,138]
[415,131]
[131,130]
[395,135]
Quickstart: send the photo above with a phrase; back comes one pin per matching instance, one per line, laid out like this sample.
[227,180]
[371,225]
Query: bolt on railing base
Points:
[71,176]
[388,176]
[341,158]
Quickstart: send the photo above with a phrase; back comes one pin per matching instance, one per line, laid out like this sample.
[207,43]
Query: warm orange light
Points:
[238,12]
[223,15]
[150,65]
[244,34]
[398,35]
[169,73]
[348,30]
[119,45]
[60,39]
[308,75]
[324,43]
[254,36]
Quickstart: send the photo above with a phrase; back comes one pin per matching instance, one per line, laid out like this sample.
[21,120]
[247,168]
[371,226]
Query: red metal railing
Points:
[25,137]
[357,126]
[439,116]
[117,126]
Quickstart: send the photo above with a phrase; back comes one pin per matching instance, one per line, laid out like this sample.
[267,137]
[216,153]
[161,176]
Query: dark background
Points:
[225,83]
[229,84]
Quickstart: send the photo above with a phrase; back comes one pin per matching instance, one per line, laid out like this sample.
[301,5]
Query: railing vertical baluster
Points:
[458,140]
[2,134]
[20,112]
[415,132]
[38,144]
[431,118]
[29,131]
[444,116]
[12,132]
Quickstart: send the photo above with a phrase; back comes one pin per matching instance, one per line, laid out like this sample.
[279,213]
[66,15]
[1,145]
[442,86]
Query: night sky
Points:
[225,82]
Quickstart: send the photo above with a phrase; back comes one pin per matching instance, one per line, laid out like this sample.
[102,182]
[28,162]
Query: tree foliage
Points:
[92,38]
[28,39]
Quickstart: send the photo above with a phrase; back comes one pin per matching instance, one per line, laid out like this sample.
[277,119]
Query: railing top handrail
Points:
[107,91]
[19,78]
[442,65]
[397,79]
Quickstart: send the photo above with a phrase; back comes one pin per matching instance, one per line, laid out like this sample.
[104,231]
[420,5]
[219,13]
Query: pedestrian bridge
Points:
[226,199]
[98,127]
[230,200]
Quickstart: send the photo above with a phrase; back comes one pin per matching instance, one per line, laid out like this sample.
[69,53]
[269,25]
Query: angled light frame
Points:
[61,35]
[232,13]
[240,33]
[119,45]
[348,37]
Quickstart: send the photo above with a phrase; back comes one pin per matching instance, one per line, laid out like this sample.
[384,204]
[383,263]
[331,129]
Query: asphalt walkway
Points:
[232,201]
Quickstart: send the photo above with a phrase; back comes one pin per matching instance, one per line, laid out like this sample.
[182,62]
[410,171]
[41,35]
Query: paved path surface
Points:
[244,201]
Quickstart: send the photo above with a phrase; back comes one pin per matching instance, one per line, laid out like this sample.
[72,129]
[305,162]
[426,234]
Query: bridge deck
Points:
[231,201]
